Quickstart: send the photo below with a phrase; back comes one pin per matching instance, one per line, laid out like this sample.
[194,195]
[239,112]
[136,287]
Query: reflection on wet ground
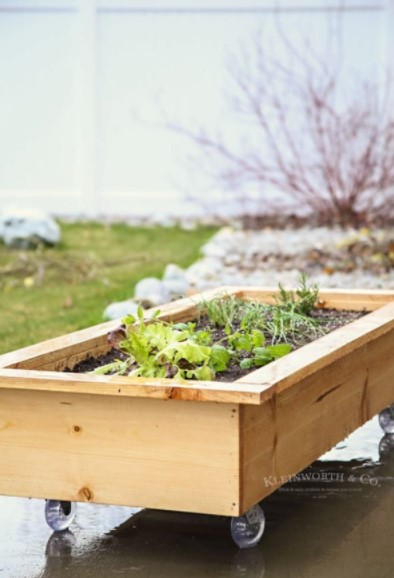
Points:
[334,519]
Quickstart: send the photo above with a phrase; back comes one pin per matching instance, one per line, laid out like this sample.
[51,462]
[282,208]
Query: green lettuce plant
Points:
[155,348]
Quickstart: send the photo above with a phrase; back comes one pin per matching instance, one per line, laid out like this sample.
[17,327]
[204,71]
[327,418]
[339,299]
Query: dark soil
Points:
[329,320]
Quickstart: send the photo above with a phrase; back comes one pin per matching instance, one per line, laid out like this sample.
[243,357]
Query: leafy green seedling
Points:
[264,355]
[300,302]
[156,348]
[221,311]
[243,341]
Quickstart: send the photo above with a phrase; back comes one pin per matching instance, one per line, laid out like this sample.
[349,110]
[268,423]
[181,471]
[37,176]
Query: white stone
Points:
[28,228]
[120,309]
[175,280]
[152,291]
[173,271]
[233,258]
[204,270]
[255,255]
[215,250]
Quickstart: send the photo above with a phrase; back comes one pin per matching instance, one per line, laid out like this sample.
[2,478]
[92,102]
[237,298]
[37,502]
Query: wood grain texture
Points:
[138,452]
[143,442]
[55,355]
[119,386]
[345,299]
[297,423]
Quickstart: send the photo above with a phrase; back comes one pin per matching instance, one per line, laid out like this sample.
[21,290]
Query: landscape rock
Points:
[331,257]
[151,292]
[120,309]
[208,269]
[28,228]
[175,281]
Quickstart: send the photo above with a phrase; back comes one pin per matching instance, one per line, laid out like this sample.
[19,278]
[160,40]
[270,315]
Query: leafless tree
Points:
[324,144]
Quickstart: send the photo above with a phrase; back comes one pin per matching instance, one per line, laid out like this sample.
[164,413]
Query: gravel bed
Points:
[330,257]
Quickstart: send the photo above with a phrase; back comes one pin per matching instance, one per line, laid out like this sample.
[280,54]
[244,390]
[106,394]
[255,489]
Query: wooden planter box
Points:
[204,447]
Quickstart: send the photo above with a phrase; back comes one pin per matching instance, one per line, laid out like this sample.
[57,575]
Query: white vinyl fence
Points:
[84,84]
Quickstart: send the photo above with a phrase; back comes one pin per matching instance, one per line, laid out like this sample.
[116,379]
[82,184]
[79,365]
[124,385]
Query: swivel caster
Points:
[247,530]
[60,545]
[59,514]
[386,419]
[386,447]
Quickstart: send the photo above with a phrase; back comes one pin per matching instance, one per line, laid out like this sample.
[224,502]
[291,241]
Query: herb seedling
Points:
[252,335]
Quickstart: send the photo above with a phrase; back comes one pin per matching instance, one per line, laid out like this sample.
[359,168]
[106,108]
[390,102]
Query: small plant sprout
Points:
[302,301]
[291,314]
[229,332]
[225,311]
[221,311]
[286,323]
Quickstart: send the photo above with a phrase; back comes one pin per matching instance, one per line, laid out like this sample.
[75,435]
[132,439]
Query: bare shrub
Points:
[323,143]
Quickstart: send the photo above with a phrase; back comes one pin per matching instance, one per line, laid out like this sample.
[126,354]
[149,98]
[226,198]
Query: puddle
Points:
[334,519]
[362,444]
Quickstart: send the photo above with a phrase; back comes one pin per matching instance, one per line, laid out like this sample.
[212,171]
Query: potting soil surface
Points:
[328,321]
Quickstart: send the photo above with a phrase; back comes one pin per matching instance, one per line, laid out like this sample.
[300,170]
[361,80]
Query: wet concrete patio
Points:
[334,520]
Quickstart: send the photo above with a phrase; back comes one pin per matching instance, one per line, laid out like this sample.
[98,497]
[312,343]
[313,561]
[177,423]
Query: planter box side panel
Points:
[346,299]
[298,424]
[59,353]
[161,454]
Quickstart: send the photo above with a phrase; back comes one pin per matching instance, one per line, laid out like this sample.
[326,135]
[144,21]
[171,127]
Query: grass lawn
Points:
[52,291]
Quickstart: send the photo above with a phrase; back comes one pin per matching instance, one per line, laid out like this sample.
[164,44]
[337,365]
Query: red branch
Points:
[331,156]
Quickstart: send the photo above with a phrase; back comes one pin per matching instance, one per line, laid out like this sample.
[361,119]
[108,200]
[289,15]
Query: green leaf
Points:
[159,335]
[241,342]
[119,367]
[202,337]
[278,350]
[262,356]
[263,360]
[203,373]
[138,346]
[259,351]
[220,357]
[247,363]
[192,352]
[150,369]
[257,338]
[180,326]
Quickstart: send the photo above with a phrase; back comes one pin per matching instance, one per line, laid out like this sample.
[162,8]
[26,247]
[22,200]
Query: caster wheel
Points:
[386,447]
[60,545]
[59,514]
[247,530]
[386,419]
